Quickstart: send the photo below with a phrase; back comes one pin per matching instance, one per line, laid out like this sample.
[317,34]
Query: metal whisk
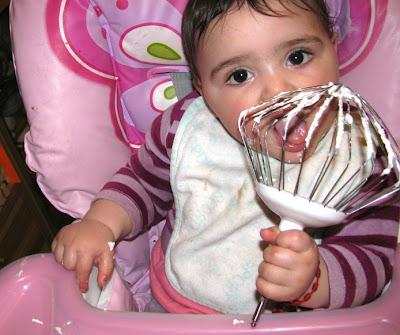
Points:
[318,155]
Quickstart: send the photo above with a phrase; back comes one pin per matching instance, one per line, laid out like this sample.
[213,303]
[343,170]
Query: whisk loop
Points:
[341,162]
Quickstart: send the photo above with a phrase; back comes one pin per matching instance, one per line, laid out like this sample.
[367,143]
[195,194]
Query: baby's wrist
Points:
[110,215]
[309,293]
[321,297]
[104,227]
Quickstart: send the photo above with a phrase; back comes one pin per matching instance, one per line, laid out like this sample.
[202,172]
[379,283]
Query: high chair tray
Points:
[38,297]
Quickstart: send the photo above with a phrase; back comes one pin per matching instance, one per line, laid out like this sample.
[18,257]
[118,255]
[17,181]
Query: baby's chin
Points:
[235,134]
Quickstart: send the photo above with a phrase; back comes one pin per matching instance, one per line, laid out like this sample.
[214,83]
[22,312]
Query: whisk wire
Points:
[327,163]
[351,192]
[265,157]
[297,184]
[340,133]
[308,141]
[376,199]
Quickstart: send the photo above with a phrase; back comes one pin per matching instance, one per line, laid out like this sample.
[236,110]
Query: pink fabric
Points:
[121,298]
[165,294]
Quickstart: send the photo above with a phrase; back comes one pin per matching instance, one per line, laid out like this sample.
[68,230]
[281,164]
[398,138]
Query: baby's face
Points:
[247,57]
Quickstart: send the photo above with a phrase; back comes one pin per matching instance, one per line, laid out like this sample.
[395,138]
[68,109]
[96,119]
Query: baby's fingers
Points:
[269,234]
[83,268]
[295,240]
[69,258]
[58,251]
[106,266]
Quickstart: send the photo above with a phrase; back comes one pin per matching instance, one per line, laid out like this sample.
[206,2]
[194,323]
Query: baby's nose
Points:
[276,84]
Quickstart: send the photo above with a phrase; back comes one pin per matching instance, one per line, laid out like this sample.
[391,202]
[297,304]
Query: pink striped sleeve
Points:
[359,256]
[142,187]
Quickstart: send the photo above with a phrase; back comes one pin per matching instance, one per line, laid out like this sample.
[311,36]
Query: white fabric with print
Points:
[215,248]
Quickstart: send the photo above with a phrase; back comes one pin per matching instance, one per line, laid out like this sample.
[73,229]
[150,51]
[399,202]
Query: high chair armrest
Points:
[39,297]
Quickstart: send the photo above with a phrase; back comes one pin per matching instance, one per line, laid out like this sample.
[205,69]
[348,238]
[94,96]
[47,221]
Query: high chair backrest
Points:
[93,74]
[90,90]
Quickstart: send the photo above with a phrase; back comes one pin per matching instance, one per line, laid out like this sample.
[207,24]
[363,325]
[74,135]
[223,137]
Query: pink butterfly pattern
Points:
[130,45]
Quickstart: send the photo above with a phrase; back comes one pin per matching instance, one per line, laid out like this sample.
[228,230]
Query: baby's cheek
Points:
[228,116]
[233,129]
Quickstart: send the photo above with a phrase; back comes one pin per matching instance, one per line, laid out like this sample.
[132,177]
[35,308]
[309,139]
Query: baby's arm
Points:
[355,260]
[80,245]
[139,192]
[359,256]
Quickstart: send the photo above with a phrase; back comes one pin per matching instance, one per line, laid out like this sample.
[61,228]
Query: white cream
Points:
[321,111]
[237,322]
[39,322]
[111,245]
[58,330]
[340,131]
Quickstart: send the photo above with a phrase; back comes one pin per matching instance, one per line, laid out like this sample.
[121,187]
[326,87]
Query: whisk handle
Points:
[286,224]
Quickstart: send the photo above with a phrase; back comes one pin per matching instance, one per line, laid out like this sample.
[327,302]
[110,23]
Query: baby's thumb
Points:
[269,234]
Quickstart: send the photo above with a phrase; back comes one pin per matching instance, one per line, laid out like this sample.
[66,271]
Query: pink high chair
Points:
[92,79]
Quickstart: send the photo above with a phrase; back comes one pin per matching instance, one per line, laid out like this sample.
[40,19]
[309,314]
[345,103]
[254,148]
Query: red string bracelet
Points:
[308,295]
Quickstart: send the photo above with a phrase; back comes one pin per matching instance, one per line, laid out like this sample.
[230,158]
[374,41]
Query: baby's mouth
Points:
[296,134]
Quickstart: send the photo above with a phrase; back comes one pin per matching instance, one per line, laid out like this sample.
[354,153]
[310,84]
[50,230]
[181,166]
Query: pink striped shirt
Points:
[359,254]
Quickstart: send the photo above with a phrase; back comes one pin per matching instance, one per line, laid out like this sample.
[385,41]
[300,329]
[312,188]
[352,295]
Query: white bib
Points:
[215,248]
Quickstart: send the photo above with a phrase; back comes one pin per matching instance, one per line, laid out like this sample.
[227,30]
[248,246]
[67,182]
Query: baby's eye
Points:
[299,57]
[239,76]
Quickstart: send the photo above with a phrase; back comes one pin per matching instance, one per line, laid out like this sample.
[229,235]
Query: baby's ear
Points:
[197,85]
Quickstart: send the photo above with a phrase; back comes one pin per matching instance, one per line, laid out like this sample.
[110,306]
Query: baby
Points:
[191,171]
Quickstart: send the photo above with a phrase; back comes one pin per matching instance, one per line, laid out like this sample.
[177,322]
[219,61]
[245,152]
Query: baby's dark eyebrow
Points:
[301,40]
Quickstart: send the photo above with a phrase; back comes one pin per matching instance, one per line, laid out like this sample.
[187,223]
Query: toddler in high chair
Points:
[192,171]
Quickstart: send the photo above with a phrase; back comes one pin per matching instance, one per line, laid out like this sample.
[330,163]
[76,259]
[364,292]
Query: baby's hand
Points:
[80,245]
[289,266]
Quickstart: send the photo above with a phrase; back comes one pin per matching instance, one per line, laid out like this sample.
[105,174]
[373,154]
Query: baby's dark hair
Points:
[199,14]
